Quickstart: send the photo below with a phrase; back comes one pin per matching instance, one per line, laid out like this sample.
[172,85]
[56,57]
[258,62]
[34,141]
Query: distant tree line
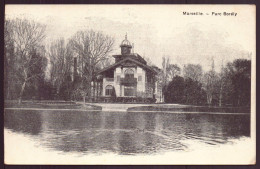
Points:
[230,87]
[34,70]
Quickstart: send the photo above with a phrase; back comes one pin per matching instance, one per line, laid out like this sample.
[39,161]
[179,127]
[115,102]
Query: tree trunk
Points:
[21,92]
[58,92]
[238,100]
[7,92]
[209,99]
[220,95]
[94,90]
[84,99]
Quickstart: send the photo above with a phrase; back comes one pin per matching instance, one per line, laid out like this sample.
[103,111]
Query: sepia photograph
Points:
[130,84]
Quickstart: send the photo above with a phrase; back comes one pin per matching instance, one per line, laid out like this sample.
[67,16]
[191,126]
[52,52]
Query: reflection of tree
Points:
[125,133]
[62,121]
[28,122]
[158,123]
[70,131]
[139,140]
[125,141]
[150,122]
[214,128]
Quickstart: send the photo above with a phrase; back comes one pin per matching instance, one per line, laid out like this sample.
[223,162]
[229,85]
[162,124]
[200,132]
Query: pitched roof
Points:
[135,56]
[131,59]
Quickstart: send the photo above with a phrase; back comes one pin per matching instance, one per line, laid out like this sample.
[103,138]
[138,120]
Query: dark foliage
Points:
[236,87]
[185,91]
[239,73]
[174,92]
[66,89]
[35,86]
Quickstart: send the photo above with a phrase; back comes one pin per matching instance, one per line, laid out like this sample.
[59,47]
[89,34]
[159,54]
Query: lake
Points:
[125,133]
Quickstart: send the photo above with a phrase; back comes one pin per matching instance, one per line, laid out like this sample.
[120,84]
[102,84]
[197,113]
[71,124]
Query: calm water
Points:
[125,133]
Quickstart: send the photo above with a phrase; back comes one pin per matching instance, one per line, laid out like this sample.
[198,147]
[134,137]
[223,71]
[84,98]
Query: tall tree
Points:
[61,62]
[92,48]
[221,85]
[169,71]
[210,81]
[175,92]
[239,74]
[184,91]
[26,36]
[172,70]
[9,61]
[193,71]
[33,88]
[194,93]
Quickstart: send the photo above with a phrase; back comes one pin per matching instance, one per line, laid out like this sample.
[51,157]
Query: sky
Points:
[156,30]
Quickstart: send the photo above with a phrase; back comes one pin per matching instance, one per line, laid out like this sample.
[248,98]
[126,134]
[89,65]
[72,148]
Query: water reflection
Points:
[125,133]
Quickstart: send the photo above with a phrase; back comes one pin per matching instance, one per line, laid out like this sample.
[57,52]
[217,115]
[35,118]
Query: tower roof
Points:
[125,42]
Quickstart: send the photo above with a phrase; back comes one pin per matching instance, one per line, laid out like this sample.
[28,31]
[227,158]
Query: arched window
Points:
[129,73]
[109,90]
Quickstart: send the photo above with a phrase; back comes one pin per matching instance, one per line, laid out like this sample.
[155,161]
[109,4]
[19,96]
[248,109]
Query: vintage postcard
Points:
[130,84]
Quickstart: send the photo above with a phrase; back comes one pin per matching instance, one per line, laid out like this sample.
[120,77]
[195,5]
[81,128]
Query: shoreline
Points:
[52,106]
[175,112]
[200,109]
[108,107]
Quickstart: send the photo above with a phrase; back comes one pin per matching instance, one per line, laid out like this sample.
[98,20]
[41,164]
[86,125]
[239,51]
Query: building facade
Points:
[129,79]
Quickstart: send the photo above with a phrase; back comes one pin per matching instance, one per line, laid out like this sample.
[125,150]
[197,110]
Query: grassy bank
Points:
[51,105]
[184,108]
[130,108]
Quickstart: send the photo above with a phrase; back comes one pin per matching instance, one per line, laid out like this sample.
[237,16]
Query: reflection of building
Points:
[128,79]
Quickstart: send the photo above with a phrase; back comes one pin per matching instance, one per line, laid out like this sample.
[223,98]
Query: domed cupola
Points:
[125,46]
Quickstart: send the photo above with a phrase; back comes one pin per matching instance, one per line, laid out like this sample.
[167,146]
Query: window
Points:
[149,79]
[129,73]
[118,70]
[129,91]
[139,78]
[109,90]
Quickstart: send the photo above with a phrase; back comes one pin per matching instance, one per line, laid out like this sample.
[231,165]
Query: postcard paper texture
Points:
[130,84]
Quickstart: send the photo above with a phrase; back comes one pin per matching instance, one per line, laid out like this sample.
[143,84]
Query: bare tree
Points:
[9,59]
[169,71]
[212,83]
[221,83]
[210,80]
[165,62]
[105,63]
[27,36]
[92,48]
[148,61]
[61,59]
[172,70]
[193,72]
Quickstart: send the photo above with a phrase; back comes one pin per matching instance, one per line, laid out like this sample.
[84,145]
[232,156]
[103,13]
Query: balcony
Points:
[128,81]
[109,79]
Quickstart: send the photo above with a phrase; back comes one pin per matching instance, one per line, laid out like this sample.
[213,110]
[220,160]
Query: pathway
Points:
[117,106]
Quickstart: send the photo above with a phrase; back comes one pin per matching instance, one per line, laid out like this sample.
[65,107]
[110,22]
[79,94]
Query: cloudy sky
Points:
[156,30]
